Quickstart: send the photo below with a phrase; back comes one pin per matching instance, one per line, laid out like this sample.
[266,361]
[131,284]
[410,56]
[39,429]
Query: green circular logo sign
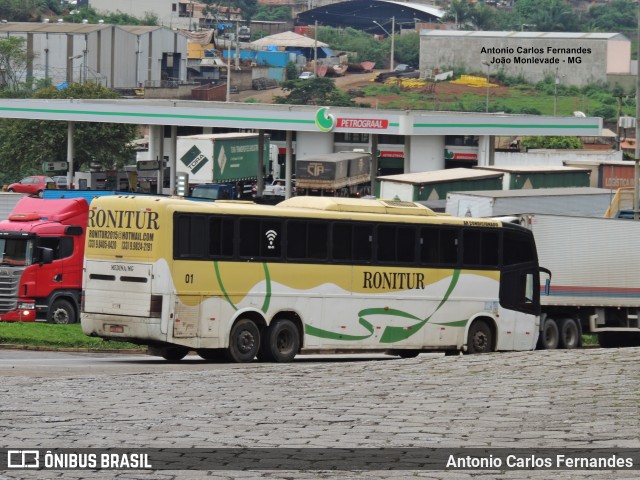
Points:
[324,120]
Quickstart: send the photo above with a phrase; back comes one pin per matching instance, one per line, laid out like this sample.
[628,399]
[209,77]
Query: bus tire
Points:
[480,338]
[173,354]
[281,342]
[408,353]
[569,333]
[549,335]
[212,354]
[244,341]
[61,311]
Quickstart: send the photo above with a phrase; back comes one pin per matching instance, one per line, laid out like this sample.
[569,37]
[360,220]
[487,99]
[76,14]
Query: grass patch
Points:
[56,336]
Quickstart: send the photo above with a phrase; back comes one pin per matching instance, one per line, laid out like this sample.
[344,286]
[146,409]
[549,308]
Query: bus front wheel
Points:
[173,354]
[244,341]
[480,338]
[281,342]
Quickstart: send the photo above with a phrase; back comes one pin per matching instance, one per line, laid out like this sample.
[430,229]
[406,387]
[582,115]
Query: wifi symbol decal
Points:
[271,237]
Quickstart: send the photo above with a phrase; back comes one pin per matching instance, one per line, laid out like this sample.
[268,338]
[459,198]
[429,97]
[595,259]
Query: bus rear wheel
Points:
[480,338]
[281,342]
[244,341]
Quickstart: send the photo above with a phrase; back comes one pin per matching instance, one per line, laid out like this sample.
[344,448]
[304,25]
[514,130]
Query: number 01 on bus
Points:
[240,281]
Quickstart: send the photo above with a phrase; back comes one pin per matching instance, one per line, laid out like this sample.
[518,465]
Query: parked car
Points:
[306,75]
[403,68]
[61,182]
[34,185]
[276,189]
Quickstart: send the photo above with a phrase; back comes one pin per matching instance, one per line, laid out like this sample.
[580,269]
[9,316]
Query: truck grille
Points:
[9,281]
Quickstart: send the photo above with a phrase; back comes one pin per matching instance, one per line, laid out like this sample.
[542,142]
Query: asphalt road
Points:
[553,400]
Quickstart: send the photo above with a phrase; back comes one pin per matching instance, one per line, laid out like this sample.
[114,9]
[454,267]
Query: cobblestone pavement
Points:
[545,399]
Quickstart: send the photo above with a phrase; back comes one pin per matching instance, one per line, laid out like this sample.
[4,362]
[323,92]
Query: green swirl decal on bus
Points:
[391,334]
[324,120]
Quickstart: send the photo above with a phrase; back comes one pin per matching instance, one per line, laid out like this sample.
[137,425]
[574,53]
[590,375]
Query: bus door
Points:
[520,302]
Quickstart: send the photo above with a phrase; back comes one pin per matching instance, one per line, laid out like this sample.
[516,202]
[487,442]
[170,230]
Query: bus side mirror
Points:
[547,282]
[46,255]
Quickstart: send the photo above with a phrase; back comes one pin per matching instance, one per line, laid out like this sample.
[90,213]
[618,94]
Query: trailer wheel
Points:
[244,341]
[281,342]
[480,338]
[62,312]
[549,336]
[569,333]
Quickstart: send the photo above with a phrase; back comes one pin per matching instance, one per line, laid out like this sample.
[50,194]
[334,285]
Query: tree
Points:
[552,142]
[13,63]
[247,7]
[314,91]
[407,49]
[611,18]
[458,11]
[26,144]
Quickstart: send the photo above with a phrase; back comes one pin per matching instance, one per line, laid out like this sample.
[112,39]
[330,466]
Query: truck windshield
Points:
[16,251]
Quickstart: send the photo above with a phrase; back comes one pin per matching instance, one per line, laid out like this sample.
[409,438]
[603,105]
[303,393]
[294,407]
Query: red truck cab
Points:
[41,260]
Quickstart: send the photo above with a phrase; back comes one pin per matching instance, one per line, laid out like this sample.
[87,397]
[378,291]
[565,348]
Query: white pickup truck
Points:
[275,189]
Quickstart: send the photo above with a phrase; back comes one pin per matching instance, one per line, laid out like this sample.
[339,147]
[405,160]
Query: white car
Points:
[306,75]
[276,189]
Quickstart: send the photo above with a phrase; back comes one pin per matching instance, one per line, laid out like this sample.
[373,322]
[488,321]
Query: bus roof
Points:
[309,206]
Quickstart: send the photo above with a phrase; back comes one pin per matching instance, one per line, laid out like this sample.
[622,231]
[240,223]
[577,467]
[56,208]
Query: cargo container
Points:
[595,282]
[335,174]
[584,201]
[221,158]
[434,185]
[529,177]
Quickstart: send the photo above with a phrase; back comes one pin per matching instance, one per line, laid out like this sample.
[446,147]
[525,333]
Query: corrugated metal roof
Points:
[525,35]
[536,192]
[31,27]
[287,39]
[533,169]
[74,28]
[436,176]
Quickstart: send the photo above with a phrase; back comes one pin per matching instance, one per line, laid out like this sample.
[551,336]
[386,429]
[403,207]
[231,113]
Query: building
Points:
[573,58]
[114,56]
[170,13]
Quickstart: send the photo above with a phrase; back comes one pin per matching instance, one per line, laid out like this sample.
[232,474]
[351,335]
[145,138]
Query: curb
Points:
[71,350]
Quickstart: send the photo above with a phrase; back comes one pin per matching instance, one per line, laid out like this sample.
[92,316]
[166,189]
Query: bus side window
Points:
[439,246]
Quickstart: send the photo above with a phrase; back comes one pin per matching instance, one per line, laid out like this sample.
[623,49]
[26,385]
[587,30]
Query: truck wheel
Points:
[62,312]
[569,333]
[480,338]
[549,335]
[41,193]
[281,342]
[244,341]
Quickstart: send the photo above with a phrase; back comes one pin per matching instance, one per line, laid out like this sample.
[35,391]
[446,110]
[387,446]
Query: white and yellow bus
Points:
[241,280]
